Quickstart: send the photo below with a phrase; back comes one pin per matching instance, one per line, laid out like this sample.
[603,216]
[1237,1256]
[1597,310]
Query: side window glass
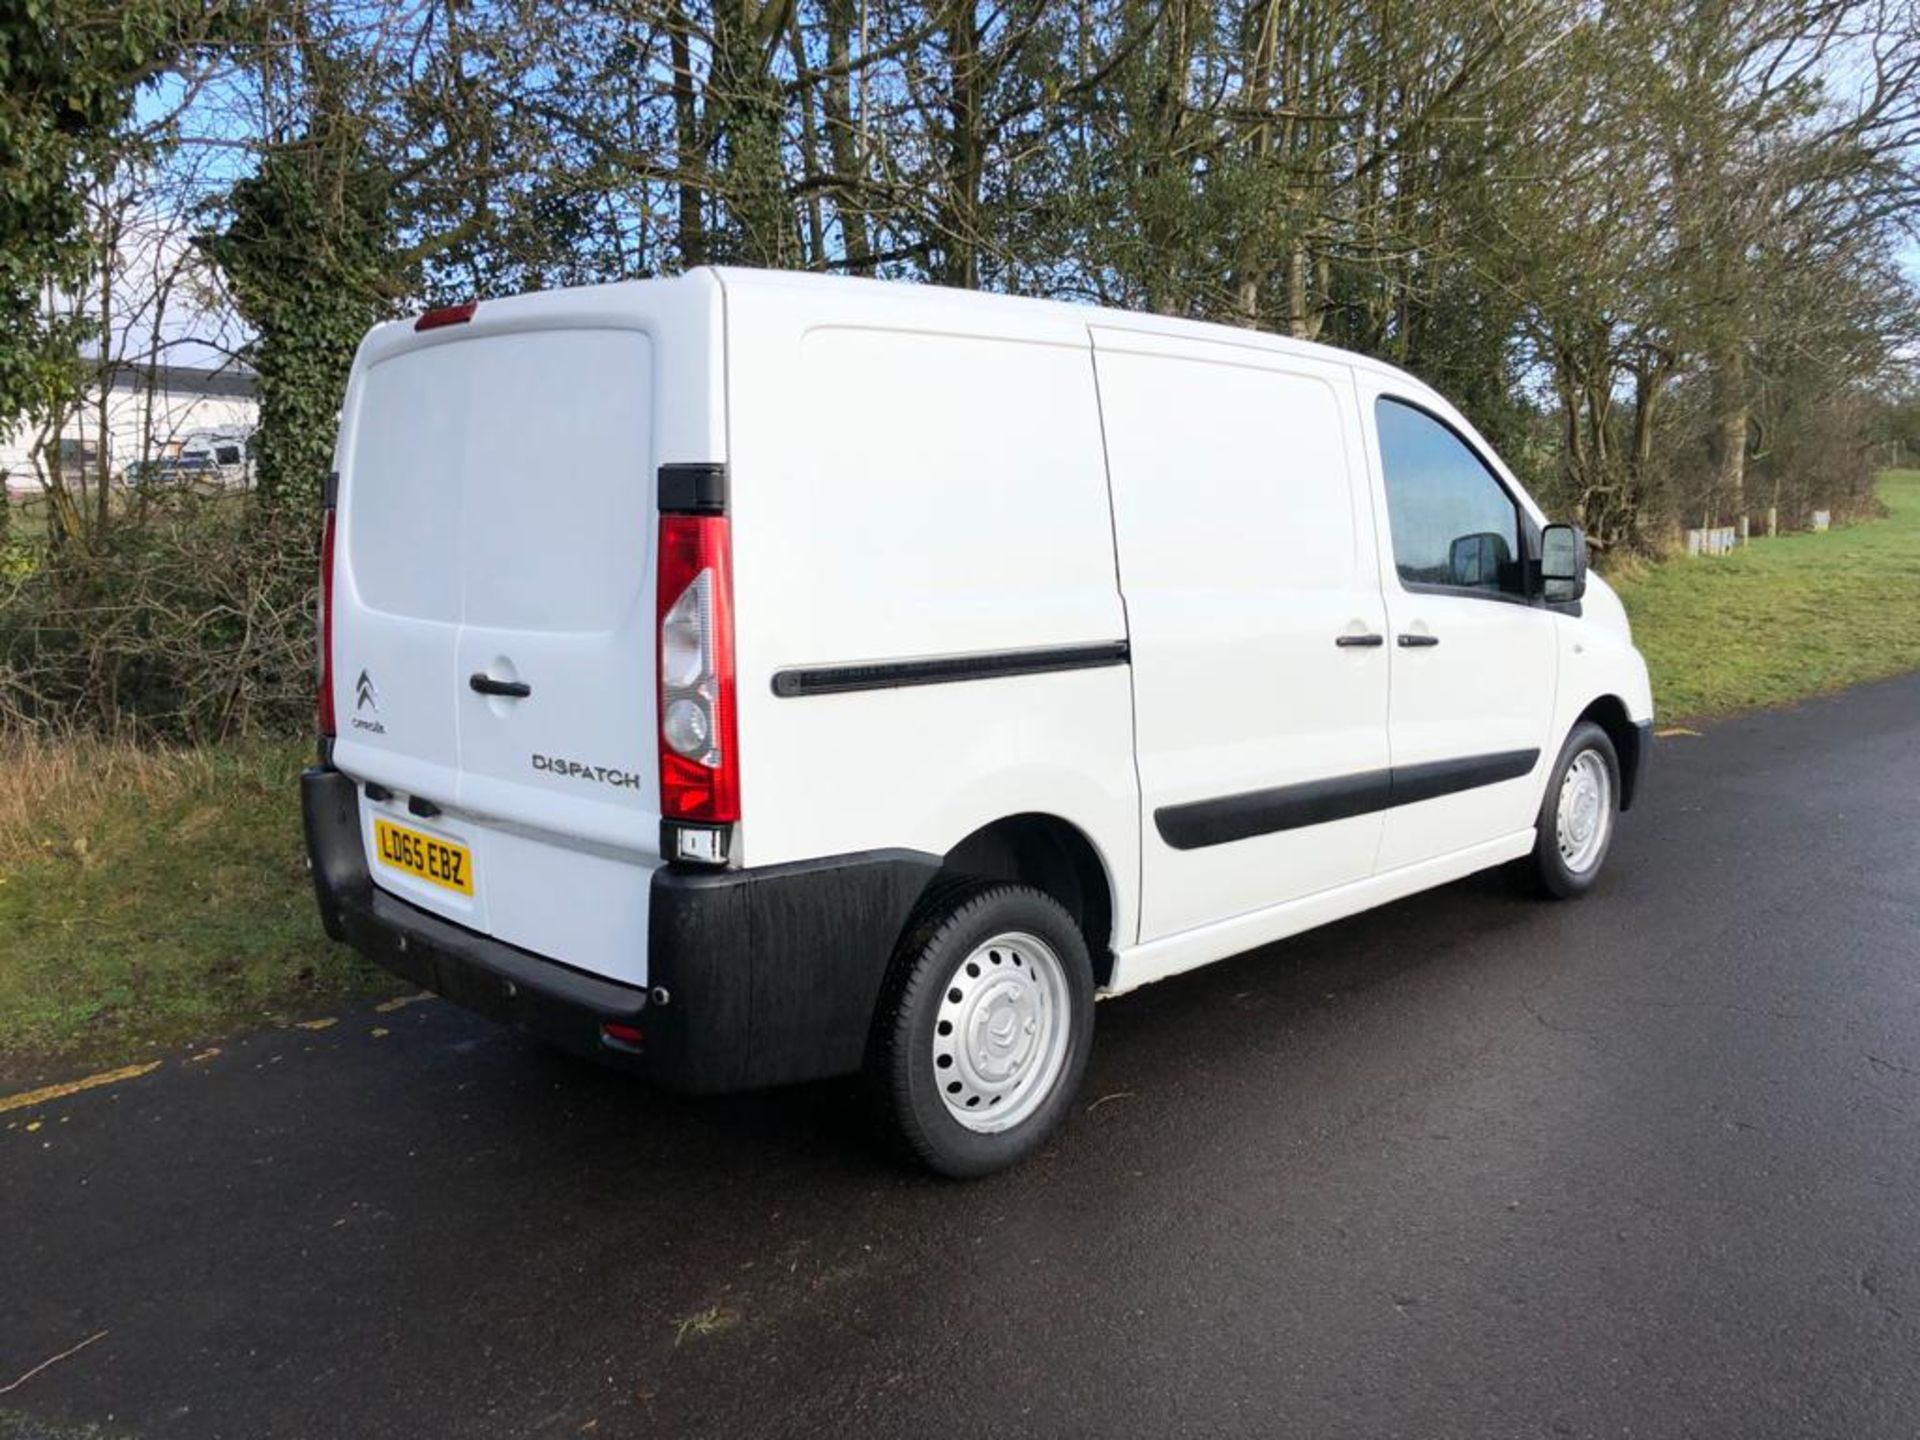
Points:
[1452,522]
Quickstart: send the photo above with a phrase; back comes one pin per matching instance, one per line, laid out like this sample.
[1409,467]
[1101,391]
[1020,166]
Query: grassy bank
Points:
[152,900]
[1786,618]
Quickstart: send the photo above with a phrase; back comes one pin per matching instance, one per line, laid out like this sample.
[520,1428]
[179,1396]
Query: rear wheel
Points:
[1574,830]
[984,1026]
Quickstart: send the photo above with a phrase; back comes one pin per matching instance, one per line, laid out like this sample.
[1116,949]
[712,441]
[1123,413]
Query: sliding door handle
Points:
[1364,642]
[1410,641]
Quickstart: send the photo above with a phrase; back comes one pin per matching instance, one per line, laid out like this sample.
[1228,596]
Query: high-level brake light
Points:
[447,315]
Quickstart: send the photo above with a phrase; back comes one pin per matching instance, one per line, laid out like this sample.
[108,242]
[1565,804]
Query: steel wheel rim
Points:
[1000,1035]
[1585,811]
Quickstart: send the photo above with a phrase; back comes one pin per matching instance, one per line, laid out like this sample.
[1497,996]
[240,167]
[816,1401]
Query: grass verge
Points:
[1785,618]
[151,899]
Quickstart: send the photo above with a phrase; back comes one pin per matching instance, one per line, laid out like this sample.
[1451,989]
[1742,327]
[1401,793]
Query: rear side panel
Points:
[917,474]
[497,520]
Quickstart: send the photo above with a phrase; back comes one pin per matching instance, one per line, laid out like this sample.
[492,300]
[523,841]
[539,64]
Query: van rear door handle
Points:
[485,684]
[1366,642]
[1416,642]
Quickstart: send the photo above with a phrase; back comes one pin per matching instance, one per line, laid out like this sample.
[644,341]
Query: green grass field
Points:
[149,901]
[1784,618]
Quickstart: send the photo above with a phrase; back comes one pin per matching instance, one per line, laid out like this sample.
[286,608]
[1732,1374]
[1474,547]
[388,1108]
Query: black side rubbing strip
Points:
[1261,812]
[1449,777]
[693,489]
[1200,823]
[945,669]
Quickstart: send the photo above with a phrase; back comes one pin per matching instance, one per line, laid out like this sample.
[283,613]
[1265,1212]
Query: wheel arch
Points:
[1054,856]
[1609,712]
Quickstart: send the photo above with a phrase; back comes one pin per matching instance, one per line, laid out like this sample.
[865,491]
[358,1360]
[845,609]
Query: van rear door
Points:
[494,614]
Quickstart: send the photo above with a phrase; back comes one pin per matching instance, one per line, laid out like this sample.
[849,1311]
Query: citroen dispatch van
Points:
[751,677]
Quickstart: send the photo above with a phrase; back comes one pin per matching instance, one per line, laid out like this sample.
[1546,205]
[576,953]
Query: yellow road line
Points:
[29,1098]
[387,1007]
[1673,730]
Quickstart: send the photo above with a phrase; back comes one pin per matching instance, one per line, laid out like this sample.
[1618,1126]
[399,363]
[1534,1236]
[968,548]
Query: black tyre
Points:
[983,1028]
[1574,831]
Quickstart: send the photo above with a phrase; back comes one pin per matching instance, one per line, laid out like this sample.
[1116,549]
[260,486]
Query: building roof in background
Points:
[230,378]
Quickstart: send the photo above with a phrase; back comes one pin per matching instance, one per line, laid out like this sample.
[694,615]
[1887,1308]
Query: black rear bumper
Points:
[755,977]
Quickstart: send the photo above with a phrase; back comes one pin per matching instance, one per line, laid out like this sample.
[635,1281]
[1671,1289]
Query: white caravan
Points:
[750,677]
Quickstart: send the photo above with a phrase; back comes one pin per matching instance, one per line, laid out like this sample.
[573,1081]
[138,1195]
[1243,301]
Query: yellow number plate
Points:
[440,862]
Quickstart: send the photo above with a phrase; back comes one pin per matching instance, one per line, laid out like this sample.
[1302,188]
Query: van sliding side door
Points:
[1247,558]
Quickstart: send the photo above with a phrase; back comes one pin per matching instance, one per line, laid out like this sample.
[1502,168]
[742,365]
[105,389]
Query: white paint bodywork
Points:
[918,473]
[917,480]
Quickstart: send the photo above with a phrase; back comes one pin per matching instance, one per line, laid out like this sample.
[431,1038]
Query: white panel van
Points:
[750,677]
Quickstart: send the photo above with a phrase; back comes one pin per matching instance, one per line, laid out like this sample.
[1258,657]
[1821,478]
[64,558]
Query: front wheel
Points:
[984,1027]
[1574,830]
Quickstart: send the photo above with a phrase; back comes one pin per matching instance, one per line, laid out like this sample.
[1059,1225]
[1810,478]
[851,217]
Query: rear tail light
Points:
[323,706]
[699,749]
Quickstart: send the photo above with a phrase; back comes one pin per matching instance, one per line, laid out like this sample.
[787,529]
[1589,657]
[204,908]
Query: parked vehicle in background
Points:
[212,459]
[174,472]
[751,677]
[224,454]
[144,472]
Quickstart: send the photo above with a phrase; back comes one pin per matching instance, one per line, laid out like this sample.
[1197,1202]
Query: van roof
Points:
[942,297]
[944,301]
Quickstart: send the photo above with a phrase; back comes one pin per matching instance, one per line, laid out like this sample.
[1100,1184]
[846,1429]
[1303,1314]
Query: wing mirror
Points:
[1563,563]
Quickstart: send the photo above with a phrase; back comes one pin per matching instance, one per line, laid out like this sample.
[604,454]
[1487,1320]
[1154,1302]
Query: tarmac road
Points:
[1473,1165]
